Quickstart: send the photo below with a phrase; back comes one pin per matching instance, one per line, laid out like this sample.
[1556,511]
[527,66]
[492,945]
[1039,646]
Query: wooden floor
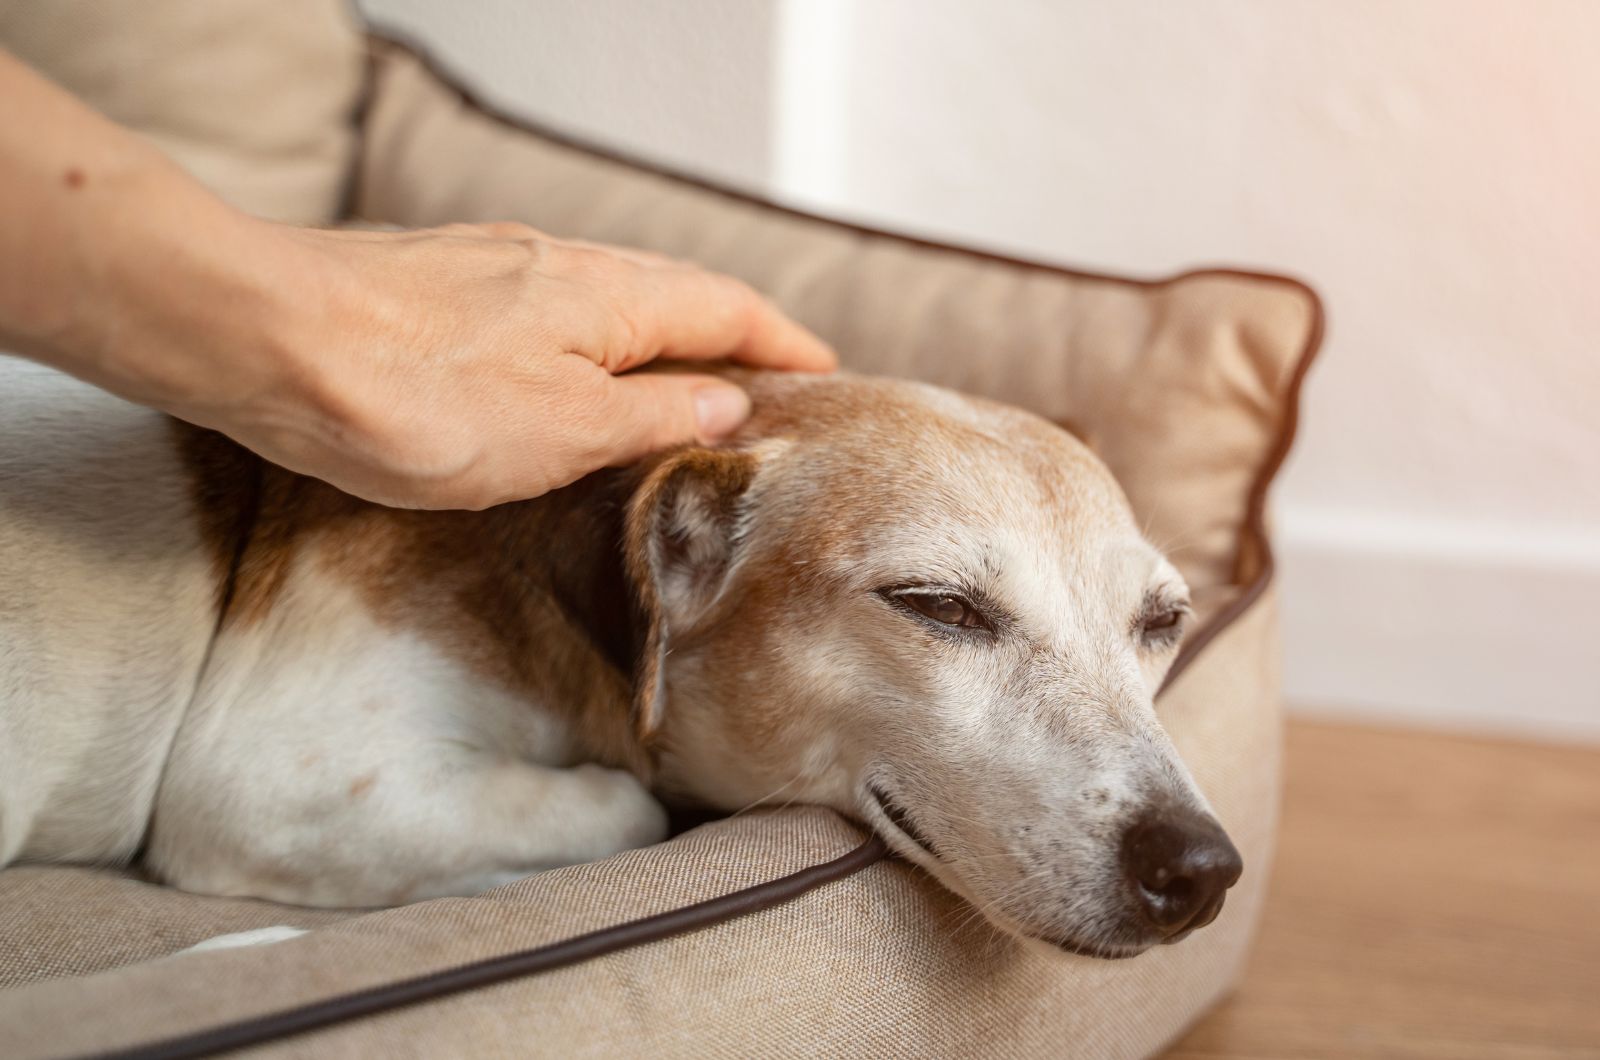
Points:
[1433,896]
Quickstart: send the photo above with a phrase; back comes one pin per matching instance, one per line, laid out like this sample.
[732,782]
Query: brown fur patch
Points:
[225,482]
[532,595]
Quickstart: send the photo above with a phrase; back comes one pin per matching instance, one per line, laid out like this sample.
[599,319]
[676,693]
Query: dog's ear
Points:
[681,538]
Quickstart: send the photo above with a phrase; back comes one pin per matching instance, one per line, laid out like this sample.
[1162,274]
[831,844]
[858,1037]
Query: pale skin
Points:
[455,367]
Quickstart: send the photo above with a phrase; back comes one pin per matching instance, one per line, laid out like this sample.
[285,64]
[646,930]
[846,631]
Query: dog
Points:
[932,613]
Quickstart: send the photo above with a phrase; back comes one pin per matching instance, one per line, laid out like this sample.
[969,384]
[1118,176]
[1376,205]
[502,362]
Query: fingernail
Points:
[719,409]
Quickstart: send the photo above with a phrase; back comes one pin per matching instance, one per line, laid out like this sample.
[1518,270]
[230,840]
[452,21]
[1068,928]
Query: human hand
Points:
[474,364]
[458,367]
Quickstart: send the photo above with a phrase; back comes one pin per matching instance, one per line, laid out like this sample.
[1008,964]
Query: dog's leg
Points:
[500,819]
[332,760]
[443,821]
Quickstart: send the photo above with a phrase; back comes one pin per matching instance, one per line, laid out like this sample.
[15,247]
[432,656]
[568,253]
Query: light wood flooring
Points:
[1433,896]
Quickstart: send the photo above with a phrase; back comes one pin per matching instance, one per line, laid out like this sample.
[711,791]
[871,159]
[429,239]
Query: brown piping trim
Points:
[1253,539]
[401,41]
[435,985]
[1255,522]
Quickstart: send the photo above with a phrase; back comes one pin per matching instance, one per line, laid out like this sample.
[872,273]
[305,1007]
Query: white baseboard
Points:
[1467,626]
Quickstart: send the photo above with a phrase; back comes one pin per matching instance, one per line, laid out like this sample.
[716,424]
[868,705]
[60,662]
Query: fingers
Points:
[636,255]
[640,414]
[669,308]
[590,419]
[686,312]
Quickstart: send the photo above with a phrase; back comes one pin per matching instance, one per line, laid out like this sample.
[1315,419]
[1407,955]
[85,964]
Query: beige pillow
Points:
[1182,385]
[258,100]
[1188,387]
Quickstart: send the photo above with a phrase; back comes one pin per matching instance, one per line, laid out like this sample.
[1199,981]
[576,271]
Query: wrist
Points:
[67,199]
[172,294]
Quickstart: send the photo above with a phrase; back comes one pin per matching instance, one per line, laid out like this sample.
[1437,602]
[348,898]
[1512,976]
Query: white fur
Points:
[435,781]
[122,720]
[106,612]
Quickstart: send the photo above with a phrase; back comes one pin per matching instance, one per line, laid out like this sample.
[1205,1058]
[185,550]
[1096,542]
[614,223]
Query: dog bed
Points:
[779,933]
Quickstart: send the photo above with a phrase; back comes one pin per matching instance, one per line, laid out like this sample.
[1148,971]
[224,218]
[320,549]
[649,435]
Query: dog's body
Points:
[350,671]
[929,612]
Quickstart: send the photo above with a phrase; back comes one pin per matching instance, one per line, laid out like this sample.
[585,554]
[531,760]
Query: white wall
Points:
[687,81]
[1433,167]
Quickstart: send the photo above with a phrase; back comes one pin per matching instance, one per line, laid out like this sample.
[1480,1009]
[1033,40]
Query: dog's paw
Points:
[625,815]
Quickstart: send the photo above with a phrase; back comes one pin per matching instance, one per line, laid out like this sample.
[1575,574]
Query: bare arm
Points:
[454,367]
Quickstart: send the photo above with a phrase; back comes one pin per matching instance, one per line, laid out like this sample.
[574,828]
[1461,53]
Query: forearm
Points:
[101,238]
[64,171]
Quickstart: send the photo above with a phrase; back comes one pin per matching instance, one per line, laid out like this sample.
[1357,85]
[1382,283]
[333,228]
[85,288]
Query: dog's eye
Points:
[944,608]
[1163,625]
[1165,620]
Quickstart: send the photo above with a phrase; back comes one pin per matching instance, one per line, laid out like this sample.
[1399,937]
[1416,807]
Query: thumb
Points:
[647,412]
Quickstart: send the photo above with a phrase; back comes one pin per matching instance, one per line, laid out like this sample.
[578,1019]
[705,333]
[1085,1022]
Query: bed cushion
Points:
[1188,388]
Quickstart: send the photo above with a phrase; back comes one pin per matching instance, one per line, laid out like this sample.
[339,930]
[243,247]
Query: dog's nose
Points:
[1179,864]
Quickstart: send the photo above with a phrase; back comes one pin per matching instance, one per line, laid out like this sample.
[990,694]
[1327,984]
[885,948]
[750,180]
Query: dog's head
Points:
[937,615]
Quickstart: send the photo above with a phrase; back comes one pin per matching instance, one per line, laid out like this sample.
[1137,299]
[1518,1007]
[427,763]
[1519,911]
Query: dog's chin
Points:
[895,825]
[1105,951]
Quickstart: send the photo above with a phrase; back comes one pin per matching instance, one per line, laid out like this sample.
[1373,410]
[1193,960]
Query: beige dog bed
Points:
[1186,386]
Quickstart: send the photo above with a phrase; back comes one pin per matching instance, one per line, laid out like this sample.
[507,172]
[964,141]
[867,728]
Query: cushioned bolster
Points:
[187,992]
[1183,385]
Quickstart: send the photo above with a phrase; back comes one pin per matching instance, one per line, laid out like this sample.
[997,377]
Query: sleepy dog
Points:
[932,613]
